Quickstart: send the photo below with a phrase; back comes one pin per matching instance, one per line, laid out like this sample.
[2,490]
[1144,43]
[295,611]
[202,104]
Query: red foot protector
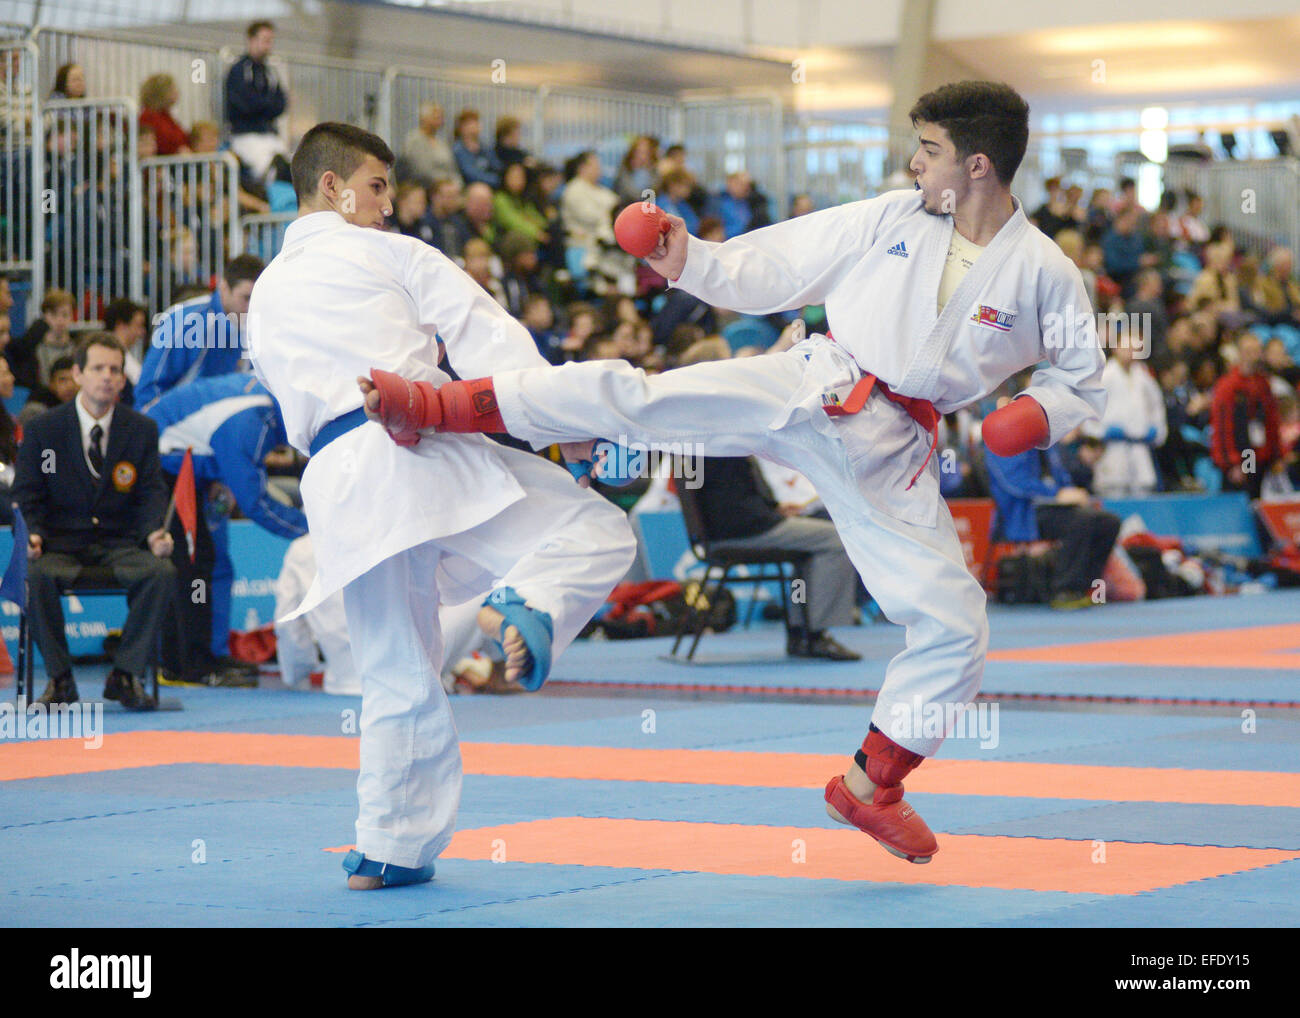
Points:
[887,818]
[639,227]
[406,407]
[1019,426]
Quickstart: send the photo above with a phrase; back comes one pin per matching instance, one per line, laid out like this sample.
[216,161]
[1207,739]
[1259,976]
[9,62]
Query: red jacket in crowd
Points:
[171,137]
[1238,401]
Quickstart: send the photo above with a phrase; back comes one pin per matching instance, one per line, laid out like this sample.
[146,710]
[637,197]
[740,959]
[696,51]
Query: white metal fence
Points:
[21,161]
[1259,200]
[191,222]
[89,211]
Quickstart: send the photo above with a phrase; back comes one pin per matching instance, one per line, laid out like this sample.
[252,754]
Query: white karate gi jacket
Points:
[1135,405]
[1023,301]
[336,301]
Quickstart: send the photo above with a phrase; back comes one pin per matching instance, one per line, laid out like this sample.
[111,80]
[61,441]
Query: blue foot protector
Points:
[535,627]
[393,876]
[613,465]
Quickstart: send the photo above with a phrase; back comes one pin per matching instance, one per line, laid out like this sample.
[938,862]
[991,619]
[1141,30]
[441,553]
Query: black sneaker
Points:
[116,684]
[135,696]
[60,689]
[822,646]
[232,679]
[226,663]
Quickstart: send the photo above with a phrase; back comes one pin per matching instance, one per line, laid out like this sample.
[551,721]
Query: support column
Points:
[908,71]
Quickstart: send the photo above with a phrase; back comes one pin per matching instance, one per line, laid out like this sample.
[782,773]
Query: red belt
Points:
[920,410]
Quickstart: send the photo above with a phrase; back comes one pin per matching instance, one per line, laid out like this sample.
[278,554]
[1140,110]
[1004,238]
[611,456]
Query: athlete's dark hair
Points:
[244,268]
[985,117]
[337,148]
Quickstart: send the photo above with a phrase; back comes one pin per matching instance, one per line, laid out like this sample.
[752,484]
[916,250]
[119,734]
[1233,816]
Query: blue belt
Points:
[339,426]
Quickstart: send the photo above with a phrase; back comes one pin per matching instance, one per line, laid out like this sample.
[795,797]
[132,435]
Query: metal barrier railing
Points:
[834,162]
[723,135]
[263,234]
[89,212]
[574,120]
[191,216]
[116,65]
[22,162]
[409,88]
[1258,200]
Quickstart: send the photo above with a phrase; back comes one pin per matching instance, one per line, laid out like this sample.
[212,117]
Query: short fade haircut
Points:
[257,26]
[332,147]
[986,117]
[243,268]
[105,339]
[121,312]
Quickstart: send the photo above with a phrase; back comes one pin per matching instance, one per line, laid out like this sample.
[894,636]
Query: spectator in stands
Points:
[1191,227]
[478,266]
[1074,209]
[542,192]
[205,137]
[200,337]
[1098,217]
[46,339]
[477,164]
[1277,294]
[519,278]
[9,435]
[587,209]
[69,82]
[1148,302]
[254,101]
[509,148]
[158,95]
[1125,250]
[128,321]
[426,157]
[675,159]
[450,230]
[1217,283]
[410,212]
[674,196]
[1070,241]
[1186,412]
[512,209]
[1284,376]
[102,507]
[740,206]
[583,322]
[1053,215]
[61,388]
[801,206]
[636,173]
[1037,500]
[4,333]
[479,213]
[6,295]
[15,96]
[539,319]
[1134,422]
[233,425]
[1244,420]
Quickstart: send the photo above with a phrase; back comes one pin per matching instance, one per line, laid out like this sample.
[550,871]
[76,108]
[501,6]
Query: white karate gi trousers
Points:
[563,548]
[916,573]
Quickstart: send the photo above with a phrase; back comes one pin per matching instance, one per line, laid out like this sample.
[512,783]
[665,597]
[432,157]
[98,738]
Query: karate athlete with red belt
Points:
[933,298]
[403,529]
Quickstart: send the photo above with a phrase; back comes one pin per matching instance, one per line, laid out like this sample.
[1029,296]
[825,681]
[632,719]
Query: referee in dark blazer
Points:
[90,486]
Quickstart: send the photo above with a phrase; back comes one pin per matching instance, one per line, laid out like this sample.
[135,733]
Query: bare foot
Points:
[518,660]
[359,883]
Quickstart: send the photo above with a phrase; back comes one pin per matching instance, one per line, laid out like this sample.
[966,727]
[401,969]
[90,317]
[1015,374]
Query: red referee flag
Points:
[186,501]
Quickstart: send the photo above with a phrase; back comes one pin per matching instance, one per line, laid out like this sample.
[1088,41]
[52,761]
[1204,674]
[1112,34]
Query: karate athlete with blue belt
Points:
[401,529]
[933,298]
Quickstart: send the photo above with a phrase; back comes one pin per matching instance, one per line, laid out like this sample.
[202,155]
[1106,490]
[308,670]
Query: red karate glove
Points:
[1019,426]
[639,227]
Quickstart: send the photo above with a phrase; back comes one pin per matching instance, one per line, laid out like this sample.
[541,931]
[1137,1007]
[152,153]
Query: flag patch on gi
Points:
[1003,321]
[899,249]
